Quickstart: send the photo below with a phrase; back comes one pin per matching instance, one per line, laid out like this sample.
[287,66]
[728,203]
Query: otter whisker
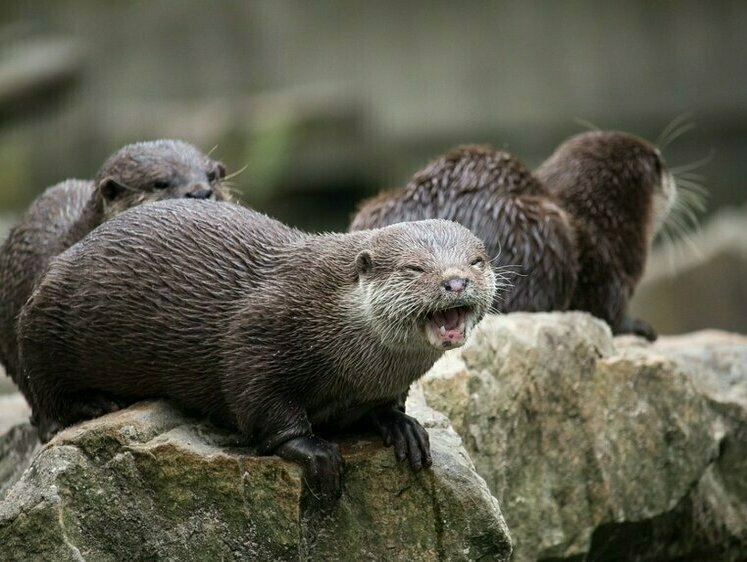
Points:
[586,124]
[677,133]
[236,173]
[673,124]
[677,170]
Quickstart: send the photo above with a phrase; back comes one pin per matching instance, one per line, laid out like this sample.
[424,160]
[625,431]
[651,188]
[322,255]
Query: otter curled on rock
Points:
[270,330]
[66,212]
[576,233]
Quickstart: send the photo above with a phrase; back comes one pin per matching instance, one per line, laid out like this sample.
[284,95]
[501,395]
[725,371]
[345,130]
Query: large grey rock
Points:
[601,448]
[148,483]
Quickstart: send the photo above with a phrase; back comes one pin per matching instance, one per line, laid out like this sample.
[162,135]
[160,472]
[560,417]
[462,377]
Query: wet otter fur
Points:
[578,230]
[619,192]
[65,213]
[264,328]
[499,199]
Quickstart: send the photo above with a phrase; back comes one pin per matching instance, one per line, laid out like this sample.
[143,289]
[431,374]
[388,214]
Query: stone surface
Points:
[13,410]
[600,448]
[148,483]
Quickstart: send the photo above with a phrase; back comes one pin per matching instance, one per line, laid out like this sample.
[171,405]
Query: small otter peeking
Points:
[262,327]
[573,235]
[65,213]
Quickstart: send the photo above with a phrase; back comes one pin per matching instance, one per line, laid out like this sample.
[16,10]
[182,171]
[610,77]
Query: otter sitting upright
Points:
[66,212]
[270,330]
[618,192]
[577,231]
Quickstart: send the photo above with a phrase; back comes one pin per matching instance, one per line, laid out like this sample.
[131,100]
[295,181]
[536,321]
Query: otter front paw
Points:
[409,438]
[322,463]
[638,327]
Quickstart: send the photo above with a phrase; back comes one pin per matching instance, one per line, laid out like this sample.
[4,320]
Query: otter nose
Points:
[199,192]
[455,284]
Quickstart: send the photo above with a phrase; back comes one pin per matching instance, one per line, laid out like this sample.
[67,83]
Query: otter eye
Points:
[219,172]
[477,262]
[161,184]
[415,268]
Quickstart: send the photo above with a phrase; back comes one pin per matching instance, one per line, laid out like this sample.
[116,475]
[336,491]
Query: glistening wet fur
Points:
[136,174]
[262,327]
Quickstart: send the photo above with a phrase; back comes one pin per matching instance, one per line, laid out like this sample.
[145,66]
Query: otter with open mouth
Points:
[272,331]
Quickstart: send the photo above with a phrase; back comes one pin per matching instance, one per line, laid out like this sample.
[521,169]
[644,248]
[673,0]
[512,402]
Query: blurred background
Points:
[327,102]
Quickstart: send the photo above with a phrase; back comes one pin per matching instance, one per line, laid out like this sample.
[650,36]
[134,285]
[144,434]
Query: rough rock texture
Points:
[148,483]
[600,448]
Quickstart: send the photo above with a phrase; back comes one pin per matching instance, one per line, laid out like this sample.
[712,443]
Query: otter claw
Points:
[322,463]
[409,438]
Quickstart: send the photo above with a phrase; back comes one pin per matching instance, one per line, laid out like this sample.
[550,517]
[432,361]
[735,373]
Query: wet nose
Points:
[199,191]
[455,284]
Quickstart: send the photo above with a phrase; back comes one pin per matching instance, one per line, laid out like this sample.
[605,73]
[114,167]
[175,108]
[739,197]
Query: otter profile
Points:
[578,230]
[270,330]
[66,212]
[619,193]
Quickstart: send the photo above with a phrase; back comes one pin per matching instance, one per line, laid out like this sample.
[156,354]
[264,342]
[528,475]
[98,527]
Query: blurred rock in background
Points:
[700,282]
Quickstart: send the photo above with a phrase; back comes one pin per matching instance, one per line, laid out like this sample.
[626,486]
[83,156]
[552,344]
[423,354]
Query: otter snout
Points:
[455,284]
[199,191]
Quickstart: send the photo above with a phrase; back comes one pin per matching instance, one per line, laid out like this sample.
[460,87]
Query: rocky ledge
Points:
[602,448]
[149,483]
[595,447]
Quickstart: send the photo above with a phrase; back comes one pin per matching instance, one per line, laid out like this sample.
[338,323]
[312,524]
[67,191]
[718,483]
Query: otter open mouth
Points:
[447,328]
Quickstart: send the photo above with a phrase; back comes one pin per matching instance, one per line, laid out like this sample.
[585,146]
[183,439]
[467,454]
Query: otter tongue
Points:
[452,317]
[448,319]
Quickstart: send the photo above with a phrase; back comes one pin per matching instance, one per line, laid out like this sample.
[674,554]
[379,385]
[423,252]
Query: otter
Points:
[578,229]
[263,328]
[619,192]
[66,212]
[499,199]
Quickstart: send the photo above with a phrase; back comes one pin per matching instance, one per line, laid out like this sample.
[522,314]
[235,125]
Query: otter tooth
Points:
[443,330]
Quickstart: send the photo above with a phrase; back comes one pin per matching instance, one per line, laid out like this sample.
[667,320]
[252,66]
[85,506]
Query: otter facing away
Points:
[498,198]
[264,328]
[577,231]
[66,212]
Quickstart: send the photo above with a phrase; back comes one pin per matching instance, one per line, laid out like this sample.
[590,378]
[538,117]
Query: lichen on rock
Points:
[150,483]
[600,447]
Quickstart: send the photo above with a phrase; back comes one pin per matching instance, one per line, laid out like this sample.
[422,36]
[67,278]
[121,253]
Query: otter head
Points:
[612,176]
[157,170]
[425,284]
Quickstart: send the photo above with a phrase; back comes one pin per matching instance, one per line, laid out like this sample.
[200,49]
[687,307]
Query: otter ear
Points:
[110,189]
[364,262]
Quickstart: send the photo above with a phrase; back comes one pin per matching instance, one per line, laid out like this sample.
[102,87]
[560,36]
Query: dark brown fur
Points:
[496,197]
[68,211]
[236,316]
[616,188]
[577,231]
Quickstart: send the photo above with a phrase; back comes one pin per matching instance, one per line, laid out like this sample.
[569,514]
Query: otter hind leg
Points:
[77,408]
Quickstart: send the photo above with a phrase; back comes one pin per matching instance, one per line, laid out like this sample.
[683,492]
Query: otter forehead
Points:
[610,145]
[443,239]
[153,155]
